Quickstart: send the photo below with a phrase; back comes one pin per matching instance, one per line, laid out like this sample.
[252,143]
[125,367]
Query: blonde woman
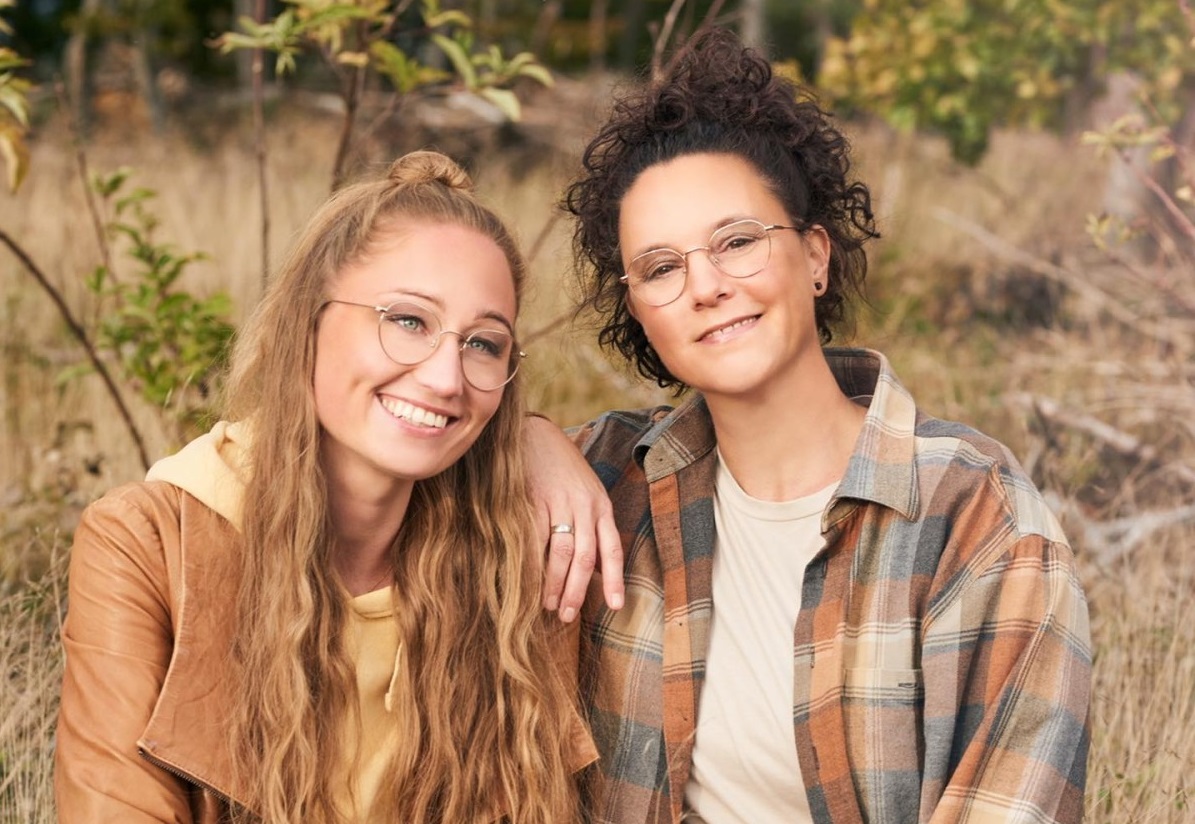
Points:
[327,608]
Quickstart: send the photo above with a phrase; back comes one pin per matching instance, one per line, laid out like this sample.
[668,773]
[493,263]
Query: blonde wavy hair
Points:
[481,709]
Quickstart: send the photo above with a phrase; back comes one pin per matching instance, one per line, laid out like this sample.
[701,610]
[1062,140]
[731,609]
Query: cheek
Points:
[485,405]
[325,392]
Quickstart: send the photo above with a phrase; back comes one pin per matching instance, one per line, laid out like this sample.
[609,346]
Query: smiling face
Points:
[386,425]
[724,336]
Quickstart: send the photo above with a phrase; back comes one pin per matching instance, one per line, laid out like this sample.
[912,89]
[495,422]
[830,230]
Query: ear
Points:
[817,251]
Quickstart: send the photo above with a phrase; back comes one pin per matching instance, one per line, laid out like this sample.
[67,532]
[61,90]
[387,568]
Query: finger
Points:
[610,552]
[543,521]
[584,561]
[560,557]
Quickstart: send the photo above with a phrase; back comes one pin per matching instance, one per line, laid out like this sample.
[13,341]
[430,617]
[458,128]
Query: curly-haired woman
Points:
[327,609]
[838,608]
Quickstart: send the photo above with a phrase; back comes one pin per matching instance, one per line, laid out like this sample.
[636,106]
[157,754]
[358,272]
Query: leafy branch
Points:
[357,40]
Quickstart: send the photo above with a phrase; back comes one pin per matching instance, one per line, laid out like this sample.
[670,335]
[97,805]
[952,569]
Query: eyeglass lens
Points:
[410,333]
[739,249]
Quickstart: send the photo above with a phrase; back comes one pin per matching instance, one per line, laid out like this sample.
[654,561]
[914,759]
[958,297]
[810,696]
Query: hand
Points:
[567,493]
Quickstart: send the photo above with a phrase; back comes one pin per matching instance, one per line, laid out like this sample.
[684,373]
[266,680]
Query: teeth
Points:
[414,414]
[723,330]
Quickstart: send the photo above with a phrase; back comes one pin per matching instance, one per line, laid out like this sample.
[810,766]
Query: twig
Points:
[1118,440]
[259,145]
[552,326]
[1111,540]
[351,86]
[1153,281]
[666,33]
[1182,222]
[657,51]
[93,207]
[1114,307]
[542,237]
[81,335]
[536,247]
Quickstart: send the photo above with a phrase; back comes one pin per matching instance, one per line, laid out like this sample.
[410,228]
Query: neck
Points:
[792,438]
[364,523]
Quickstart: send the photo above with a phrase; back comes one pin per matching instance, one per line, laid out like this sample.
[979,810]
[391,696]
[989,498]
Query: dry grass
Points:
[969,331]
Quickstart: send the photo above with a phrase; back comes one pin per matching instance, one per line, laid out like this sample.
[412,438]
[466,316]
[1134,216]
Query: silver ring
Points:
[562,529]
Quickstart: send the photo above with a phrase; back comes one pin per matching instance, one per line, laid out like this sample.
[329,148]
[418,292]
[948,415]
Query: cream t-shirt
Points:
[745,768]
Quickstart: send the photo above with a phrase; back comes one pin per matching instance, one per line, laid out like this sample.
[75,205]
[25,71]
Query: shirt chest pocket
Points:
[883,711]
[883,685]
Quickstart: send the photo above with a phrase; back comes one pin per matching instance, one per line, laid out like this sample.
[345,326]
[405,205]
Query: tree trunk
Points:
[635,20]
[75,59]
[549,13]
[143,71]
[244,57]
[597,35]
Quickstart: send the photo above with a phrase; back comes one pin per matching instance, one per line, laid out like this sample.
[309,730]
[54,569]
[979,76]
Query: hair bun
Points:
[415,168]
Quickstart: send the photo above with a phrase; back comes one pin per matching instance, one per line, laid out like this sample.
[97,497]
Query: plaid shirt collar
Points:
[882,469]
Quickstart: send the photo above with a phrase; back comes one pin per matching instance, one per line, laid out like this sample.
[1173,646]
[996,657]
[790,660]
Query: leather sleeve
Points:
[118,638]
[579,749]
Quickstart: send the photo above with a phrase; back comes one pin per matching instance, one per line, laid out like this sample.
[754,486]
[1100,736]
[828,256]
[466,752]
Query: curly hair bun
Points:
[422,167]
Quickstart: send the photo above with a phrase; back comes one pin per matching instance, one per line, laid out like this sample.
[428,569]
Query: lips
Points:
[412,414]
[728,328]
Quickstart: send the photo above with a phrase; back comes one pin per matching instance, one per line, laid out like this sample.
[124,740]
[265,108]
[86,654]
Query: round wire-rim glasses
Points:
[740,249]
[409,333]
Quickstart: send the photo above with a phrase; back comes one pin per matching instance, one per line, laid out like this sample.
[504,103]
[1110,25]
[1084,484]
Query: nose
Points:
[705,283]
[442,372]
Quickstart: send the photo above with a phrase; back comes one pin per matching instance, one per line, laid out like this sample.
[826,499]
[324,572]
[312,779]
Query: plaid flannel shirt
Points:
[941,656]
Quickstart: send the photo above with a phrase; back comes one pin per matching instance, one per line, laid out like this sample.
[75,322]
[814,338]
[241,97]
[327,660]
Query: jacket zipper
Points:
[190,779]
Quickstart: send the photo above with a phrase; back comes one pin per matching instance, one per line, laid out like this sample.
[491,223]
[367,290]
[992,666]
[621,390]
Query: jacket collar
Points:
[188,731]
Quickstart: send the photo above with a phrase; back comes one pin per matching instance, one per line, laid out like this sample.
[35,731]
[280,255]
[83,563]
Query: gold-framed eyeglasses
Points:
[740,249]
[409,333]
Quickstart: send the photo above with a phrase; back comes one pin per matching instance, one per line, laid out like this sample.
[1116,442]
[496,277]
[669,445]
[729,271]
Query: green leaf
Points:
[107,186]
[95,281]
[536,72]
[15,154]
[353,58]
[13,99]
[459,58]
[505,100]
[72,373]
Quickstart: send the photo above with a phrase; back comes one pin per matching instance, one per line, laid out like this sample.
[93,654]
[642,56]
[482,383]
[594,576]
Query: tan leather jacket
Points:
[142,729]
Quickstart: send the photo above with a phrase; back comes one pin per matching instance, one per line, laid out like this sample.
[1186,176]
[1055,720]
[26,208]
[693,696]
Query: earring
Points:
[817,287]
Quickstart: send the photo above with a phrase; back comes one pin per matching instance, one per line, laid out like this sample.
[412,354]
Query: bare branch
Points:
[1110,540]
[1181,220]
[665,34]
[80,335]
[1115,439]
[1114,307]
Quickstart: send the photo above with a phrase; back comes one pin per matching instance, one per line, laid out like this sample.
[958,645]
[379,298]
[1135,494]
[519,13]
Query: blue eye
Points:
[407,322]
[487,344]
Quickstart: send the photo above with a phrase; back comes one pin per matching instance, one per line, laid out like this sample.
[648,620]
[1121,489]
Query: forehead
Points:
[669,202]
[460,270]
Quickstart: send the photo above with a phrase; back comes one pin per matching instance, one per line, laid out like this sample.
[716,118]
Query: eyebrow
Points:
[721,224]
[439,304]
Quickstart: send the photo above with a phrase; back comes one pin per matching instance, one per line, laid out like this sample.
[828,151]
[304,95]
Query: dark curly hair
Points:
[718,97]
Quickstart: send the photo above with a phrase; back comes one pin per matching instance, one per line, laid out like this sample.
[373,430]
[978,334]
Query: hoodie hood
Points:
[212,468]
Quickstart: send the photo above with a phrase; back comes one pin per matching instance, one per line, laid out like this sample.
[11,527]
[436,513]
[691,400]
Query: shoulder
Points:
[134,508]
[612,436]
[958,465]
[146,523]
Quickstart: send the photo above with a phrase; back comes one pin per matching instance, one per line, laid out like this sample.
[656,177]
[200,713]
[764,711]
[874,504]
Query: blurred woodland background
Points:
[1030,160]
